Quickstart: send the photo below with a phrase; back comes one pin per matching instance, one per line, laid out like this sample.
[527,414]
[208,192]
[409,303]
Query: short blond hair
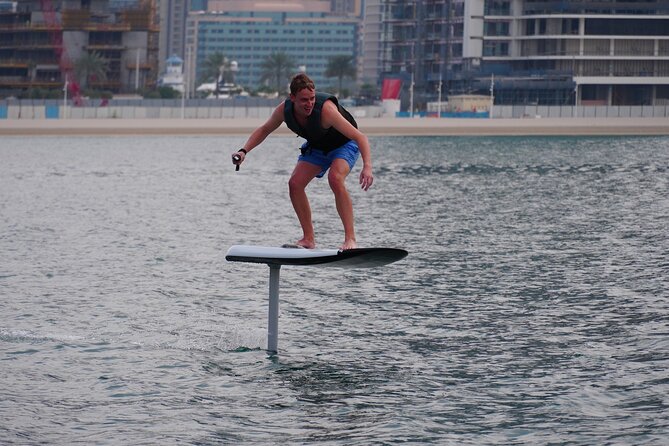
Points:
[300,82]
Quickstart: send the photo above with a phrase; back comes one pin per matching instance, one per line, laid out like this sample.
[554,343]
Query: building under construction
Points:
[42,40]
[419,41]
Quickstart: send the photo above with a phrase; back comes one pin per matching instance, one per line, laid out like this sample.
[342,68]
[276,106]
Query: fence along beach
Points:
[371,126]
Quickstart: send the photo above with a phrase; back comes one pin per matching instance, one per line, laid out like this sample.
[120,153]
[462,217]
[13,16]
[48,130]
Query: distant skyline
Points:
[540,52]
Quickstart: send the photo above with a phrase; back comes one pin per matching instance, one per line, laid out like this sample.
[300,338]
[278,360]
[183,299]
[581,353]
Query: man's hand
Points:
[238,158]
[366,178]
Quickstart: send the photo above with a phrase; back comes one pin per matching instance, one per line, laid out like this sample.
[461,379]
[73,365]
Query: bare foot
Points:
[309,244]
[348,244]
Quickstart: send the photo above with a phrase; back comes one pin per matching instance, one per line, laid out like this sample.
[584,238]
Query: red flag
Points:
[391,88]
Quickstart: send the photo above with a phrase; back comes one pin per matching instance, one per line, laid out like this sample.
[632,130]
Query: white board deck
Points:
[351,258]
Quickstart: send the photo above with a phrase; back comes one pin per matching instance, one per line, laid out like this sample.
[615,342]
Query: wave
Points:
[423,170]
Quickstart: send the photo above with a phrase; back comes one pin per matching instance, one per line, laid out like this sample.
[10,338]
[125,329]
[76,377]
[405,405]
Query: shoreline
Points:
[369,126]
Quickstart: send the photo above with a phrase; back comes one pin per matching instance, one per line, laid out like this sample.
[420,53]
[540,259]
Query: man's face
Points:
[304,101]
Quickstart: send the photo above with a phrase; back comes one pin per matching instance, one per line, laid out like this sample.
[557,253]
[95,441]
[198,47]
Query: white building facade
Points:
[590,52]
[173,76]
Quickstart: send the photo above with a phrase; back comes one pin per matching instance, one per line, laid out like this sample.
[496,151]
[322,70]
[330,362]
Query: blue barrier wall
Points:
[51,111]
[3,112]
[444,114]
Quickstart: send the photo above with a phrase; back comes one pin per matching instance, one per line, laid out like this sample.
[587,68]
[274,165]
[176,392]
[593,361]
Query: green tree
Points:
[367,94]
[168,93]
[277,69]
[91,66]
[340,67]
[369,90]
[211,68]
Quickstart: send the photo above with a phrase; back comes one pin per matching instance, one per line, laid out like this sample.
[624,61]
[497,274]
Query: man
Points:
[333,146]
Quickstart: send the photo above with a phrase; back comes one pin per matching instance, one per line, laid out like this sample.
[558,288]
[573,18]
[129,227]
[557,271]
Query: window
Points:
[495,49]
[496,28]
[497,7]
[627,27]
[529,27]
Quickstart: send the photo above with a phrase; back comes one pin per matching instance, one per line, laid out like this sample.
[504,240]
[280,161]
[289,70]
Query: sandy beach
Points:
[371,126]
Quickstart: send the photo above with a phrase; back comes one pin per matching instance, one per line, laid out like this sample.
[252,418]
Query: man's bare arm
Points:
[259,134]
[264,130]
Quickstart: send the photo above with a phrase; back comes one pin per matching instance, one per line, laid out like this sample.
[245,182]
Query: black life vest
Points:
[318,137]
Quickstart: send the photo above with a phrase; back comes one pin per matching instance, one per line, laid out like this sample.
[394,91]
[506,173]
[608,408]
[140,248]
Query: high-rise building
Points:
[413,39]
[172,18]
[249,31]
[571,52]
[612,52]
[41,41]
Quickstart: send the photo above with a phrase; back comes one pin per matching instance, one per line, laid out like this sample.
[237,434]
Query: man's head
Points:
[300,82]
[302,94]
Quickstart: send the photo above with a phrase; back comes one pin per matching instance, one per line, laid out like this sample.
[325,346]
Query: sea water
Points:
[533,307]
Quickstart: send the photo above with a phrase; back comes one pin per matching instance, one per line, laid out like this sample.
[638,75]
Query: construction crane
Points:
[71,86]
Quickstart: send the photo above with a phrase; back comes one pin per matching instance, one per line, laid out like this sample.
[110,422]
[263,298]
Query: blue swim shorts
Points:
[348,152]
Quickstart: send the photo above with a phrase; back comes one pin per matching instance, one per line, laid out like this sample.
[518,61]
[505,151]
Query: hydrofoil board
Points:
[351,258]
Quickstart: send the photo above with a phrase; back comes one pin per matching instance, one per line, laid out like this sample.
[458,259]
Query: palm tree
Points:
[91,66]
[368,93]
[278,68]
[340,67]
[212,66]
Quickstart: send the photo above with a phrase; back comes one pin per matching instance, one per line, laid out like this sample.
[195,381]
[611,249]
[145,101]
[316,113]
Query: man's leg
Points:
[302,175]
[337,174]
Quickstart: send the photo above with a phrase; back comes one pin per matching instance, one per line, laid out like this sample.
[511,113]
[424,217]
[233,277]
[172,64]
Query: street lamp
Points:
[413,68]
[65,96]
[492,93]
